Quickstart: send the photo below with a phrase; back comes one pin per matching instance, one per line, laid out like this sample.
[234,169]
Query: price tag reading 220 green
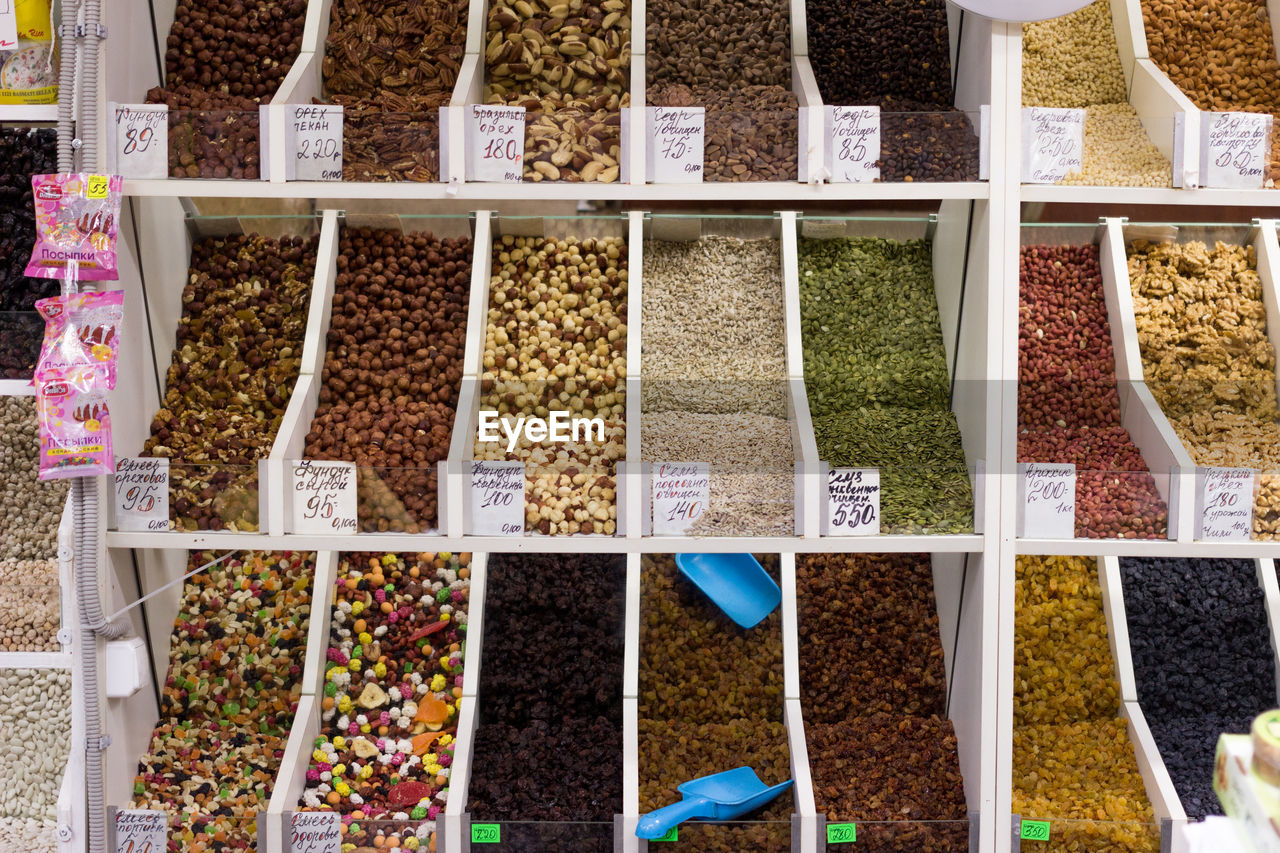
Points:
[486,833]
[842,833]
[672,834]
[1035,830]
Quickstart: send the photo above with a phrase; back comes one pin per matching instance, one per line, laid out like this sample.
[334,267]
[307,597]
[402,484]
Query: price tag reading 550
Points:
[495,144]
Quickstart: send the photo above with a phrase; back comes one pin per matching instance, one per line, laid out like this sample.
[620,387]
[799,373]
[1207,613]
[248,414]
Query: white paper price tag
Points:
[853,144]
[676,137]
[142,493]
[8,25]
[316,832]
[140,831]
[497,498]
[316,133]
[1224,503]
[1048,506]
[495,144]
[853,502]
[681,494]
[1234,149]
[324,497]
[141,148]
[1052,144]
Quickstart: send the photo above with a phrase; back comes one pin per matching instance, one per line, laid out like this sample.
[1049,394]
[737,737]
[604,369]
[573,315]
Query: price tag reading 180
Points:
[497,498]
[140,831]
[1048,506]
[142,493]
[1224,503]
[316,131]
[486,833]
[495,144]
[323,497]
[681,493]
[141,148]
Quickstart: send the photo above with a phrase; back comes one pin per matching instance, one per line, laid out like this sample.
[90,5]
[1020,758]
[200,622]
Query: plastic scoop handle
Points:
[658,823]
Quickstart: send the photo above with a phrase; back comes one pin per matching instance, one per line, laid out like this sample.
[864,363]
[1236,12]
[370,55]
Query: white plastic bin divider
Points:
[1117,626]
[478,309]
[635,484]
[316,29]
[637,128]
[1161,106]
[320,311]
[792,347]
[453,119]
[1268,251]
[473,659]
[790,630]
[1155,777]
[460,775]
[318,629]
[290,444]
[630,775]
[291,777]
[811,141]
[802,790]
[809,484]
[477,22]
[1131,35]
[17,388]
[461,452]
[631,628]
[1266,570]
[1119,298]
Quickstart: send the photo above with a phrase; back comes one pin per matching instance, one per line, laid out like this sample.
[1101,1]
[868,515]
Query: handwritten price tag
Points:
[1234,149]
[324,497]
[1052,144]
[1048,506]
[1035,830]
[1224,503]
[486,833]
[497,498]
[672,834]
[853,502]
[316,132]
[842,833]
[681,494]
[139,831]
[676,136]
[141,148]
[495,144]
[316,832]
[853,144]
[142,493]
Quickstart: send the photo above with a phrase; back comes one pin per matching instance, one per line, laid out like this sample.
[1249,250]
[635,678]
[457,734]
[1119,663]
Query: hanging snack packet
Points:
[77,217]
[75,425]
[81,330]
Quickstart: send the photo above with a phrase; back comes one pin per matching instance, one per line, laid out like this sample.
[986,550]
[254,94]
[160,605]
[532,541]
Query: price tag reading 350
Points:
[140,831]
[495,144]
[1048,506]
[141,149]
[497,498]
[142,493]
[1225,503]
[323,497]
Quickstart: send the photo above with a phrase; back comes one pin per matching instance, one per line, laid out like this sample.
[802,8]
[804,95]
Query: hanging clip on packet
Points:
[81,330]
[75,425]
[77,218]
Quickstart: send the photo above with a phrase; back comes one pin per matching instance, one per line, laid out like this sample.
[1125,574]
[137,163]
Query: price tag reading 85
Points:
[1035,830]
[486,833]
[495,144]
[842,833]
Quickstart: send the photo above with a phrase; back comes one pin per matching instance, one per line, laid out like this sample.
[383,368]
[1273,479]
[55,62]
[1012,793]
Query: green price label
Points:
[842,833]
[1035,830]
[672,834]
[486,833]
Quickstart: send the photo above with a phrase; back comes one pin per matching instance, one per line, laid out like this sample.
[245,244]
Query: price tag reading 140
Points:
[495,147]
[140,831]
[681,493]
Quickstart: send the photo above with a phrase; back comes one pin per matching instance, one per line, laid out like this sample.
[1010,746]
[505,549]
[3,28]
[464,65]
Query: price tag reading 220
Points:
[486,833]
[842,833]
[495,147]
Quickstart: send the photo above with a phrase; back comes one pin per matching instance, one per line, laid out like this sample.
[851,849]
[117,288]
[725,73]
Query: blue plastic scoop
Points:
[737,583]
[721,796]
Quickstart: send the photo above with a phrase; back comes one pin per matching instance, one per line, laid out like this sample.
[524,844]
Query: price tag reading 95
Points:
[853,502]
[1234,149]
[676,138]
[842,833]
[681,494]
[316,131]
[139,831]
[497,498]
[1048,506]
[1224,503]
[1034,830]
[142,493]
[141,148]
[1052,144]
[316,832]
[323,497]
[495,144]
[853,144]
[486,833]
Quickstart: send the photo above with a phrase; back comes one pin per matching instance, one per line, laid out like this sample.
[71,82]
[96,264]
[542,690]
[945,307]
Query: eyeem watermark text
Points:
[559,427]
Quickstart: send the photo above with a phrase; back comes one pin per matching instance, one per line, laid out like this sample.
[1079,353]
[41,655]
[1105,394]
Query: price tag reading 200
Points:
[1048,506]
[495,145]
[140,831]
[497,498]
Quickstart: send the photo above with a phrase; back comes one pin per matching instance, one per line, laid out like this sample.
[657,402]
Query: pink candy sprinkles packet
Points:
[81,330]
[75,425]
[77,218]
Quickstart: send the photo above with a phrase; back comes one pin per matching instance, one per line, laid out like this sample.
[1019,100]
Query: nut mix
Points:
[223,60]
[1072,758]
[234,678]
[752,113]
[391,66]
[876,378]
[1202,332]
[567,62]
[1202,660]
[392,693]
[551,699]
[1073,62]
[1068,402]
[392,370]
[556,340]
[1220,54]
[235,360]
[873,686]
[710,699]
[896,54]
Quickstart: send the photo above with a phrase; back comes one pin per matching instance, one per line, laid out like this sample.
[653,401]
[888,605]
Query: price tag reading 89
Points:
[1035,830]
[141,148]
[842,833]
[486,833]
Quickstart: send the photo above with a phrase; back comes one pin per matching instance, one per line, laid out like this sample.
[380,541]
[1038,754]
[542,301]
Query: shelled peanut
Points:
[392,370]
[1221,54]
[1068,402]
[1202,332]
[567,62]
[1072,758]
[235,361]
[556,342]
